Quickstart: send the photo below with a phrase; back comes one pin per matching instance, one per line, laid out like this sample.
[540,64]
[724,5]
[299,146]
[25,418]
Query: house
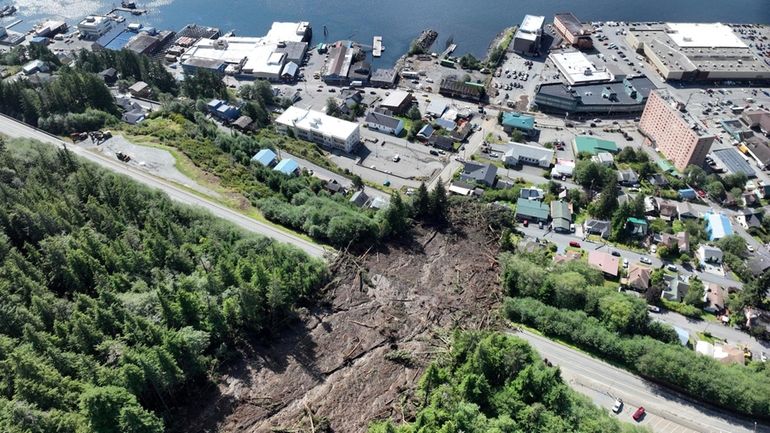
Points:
[683,241]
[531,210]
[243,123]
[762,191]
[288,167]
[724,353]
[561,217]
[650,206]
[729,200]
[563,168]
[398,102]
[441,142]
[484,174]
[592,145]
[749,199]
[569,256]
[436,108]
[334,187]
[140,89]
[520,153]
[521,122]
[447,124]
[266,157]
[708,254]
[134,116]
[425,132]
[658,180]
[749,218]
[34,67]
[676,289]
[639,278]
[464,189]
[758,264]
[605,262]
[717,226]
[628,177]
[378,203]
[604,158]
[384,123]
[686,211]
[223,111]
[668,210]
[715,298]
[359,198]
[461,133]
[637,227]
[532,193]
[687,194]
[597,227]
[109,76]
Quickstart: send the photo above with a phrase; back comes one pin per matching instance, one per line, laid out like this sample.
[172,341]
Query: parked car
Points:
[616,253]
[526,223]
[646,260]
[618,406]
[639,414]
[653,308]
[575,244]
[671,267]
[625,263]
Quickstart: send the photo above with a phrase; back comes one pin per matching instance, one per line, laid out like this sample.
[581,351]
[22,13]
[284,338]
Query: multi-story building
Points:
[628,95]
[573,31]
[94,26]
[679,136]
[317,127]
[527,38]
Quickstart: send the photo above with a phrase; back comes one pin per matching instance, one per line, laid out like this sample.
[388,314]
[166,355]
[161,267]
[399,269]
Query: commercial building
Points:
[319,128]
[340,60]
[385,78]
[733,162]
[573,31]
[519,122]
[576,68]
[384,123]
[527,37]
[93,27]
[520,153]
[758,120]
[680,137]
[704,51]
[531,210]
[50,28]
[592,145]
[628,95]
[451,87]
[398,102]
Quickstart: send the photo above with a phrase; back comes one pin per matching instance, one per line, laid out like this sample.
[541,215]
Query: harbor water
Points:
[471,25]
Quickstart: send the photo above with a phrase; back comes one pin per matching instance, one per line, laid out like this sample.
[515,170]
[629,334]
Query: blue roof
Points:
[214,104]
[687,193]
[518,121]
[446,124]
[287,166]
[264,157]
[120,41]
[717,226]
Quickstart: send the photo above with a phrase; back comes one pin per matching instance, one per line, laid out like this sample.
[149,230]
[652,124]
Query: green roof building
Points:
[593,145]
[531,210]
[522,122]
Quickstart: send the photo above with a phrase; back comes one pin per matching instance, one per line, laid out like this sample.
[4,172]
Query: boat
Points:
[128,4]
[7,10]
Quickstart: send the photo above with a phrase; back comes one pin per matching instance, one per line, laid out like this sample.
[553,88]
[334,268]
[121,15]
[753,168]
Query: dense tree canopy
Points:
[114,299]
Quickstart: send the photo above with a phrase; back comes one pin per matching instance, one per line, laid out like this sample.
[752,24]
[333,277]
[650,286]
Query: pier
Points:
[131,11]
[377,46]
[450,49]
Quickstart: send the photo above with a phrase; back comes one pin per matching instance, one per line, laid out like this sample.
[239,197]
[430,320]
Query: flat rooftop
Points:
[703,35]
[572,24]
[287,32]
[592,94]
[577,68]
[311,120]
[532,24]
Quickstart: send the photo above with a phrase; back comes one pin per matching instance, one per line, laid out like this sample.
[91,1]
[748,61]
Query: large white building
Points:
[527,37]
[317,127]
[576,68]
[95,26]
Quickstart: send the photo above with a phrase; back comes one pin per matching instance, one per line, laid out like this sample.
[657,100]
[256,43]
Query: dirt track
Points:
[398,303]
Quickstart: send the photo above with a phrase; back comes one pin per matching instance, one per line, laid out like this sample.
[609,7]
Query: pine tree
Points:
[421,202]
[439,205]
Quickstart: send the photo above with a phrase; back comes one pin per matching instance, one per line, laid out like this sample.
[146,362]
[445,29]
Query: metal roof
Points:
[733,161]
[532,208]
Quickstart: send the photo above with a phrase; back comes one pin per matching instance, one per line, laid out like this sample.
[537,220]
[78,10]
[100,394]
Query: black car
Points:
[616,253]
[433,152]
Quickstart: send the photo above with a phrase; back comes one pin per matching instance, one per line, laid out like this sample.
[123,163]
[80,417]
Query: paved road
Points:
[15,129]
[667,412]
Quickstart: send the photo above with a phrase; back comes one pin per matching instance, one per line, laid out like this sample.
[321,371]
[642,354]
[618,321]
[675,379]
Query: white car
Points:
[645,260]
[625,263]
[618,406]
[653,249]
[750,248]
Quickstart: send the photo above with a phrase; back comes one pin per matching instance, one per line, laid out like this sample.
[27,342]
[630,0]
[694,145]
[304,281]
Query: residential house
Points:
[686,211]
[462,132]
[636,226]
[715,298]
[464,189]
[639,278]
[359,198]
[34,67]
[222,110]
[520,153]
[398,102]
[724,353]
[563,168]
[758,264]
[447,124]
[384,123]
[436,108]
[729,200]
[109,75]
[425,132]
[134,116]
[658,180]
[288,167]
[568,256]
[628,177]
[687,194]
[334,187]
[561,217]
[708,254]
[604,158]
[749,218]
[605,262]
[531,210]
[140,89]
[650,206]
[597,227]
[532,193]
[484,174]
[762,191]
[265,157]
[676,289]
[683,241]
[749,199]
[717,226]
[243,123]
[441,142]
[668,210]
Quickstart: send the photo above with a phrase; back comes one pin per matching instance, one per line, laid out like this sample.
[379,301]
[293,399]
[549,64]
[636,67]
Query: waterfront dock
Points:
[450,49]
[377,46]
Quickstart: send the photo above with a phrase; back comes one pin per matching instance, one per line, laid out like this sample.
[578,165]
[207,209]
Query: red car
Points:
[575,244]
[638,414]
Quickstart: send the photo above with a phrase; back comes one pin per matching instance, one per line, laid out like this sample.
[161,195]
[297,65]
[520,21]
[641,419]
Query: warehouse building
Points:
[697,52]
[628,95]
[576,68]
[317,127]
[573,31]
[527,37]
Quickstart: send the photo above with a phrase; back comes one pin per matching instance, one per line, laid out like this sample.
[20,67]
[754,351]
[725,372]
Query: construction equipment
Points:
[123,157]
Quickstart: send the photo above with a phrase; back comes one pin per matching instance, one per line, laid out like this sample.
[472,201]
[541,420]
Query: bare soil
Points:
[358,356]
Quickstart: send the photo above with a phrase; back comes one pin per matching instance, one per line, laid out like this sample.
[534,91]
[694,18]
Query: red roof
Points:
[605,262]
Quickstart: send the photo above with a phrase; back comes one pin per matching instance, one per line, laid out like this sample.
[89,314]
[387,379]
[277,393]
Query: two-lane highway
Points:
[15,129]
